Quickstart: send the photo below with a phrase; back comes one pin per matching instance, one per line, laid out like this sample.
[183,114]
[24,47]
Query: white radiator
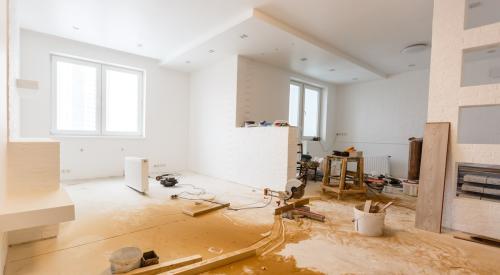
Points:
[380,165]
[136,174]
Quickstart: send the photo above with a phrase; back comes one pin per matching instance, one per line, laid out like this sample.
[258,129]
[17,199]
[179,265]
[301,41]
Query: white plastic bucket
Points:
[368,224]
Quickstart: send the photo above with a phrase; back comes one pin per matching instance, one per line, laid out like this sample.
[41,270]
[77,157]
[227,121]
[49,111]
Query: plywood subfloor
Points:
[110,216]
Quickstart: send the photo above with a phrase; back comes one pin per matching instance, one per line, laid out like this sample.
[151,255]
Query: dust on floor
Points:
[110,216]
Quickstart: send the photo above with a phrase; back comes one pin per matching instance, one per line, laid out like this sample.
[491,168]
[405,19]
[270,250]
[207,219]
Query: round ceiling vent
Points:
[415,48]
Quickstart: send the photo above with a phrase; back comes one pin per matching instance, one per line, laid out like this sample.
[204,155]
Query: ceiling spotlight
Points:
[303,59]
[139,45]
[211,51]
[491,51]
[474,5]
[415,48]
[76,28]
[243,36]
[332,70]
[188,62]
[411,65]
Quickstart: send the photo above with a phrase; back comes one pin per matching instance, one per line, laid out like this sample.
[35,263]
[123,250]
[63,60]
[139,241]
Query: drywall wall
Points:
[263,94]
[165,143]
[446,96]
[379,116]
[257,157]
[3,120]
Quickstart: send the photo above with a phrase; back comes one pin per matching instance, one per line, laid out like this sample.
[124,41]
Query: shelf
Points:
[35,208]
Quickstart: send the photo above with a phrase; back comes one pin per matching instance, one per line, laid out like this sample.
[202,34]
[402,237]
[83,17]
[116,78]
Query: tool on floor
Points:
[167,180]
[149,258]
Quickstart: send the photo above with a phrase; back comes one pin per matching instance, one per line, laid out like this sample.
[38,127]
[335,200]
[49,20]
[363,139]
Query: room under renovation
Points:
[142,137]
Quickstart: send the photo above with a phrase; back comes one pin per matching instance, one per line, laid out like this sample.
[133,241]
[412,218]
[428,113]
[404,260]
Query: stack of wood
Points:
[375,208]
[298,209]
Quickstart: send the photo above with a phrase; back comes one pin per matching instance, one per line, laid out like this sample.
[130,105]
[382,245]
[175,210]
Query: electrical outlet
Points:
[159,165]
[65,171]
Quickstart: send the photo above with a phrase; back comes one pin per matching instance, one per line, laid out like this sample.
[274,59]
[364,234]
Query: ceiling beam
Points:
[318,43]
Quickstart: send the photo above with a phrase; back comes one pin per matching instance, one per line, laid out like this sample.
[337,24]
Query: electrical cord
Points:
[202,191]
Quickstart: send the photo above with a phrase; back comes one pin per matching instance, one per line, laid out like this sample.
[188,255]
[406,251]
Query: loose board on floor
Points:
[432,177]
[203,208]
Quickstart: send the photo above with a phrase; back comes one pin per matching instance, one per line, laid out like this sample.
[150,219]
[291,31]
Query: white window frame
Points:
[300,120]
[100,98]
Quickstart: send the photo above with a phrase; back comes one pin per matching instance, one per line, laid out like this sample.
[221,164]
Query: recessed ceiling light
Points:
[332,70]
[262,53]
[474,4]
[415,48]
[411,65]
[491,51]
[188,62]
[76,28]
[139,45]
[243,36]
[277,49]
[303,59]
[211,51]
[355,78]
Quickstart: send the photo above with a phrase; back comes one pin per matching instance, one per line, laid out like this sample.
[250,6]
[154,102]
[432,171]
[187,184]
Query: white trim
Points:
[140,102]
[100,99]
[54,130]
[303,86]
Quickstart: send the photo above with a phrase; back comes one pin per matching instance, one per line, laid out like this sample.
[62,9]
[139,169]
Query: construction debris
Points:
[202,208]
[165,266]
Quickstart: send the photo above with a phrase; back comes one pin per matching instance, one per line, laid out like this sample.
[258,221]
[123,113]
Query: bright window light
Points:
[76,88]
[304,108]
[311,112]
[122,101]
[90,98]
[293,111]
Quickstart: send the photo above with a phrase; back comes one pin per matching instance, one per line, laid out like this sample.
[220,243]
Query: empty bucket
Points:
[368,224]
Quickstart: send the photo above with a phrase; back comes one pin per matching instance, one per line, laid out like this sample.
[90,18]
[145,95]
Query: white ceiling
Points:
[372,32]
[262,38]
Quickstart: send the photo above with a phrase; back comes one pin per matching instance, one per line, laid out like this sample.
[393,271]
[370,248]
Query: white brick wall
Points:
[445,98]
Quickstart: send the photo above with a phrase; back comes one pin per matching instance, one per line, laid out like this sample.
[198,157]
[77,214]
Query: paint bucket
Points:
[125,259]
[368,224]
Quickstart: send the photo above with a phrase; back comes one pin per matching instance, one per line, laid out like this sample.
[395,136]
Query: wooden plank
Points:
[165,266]
[214,262]
[432,177]
[368,204]
[291,206]
[197,211]
[385,206]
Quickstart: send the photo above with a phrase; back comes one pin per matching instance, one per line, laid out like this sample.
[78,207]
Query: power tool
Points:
[167,180]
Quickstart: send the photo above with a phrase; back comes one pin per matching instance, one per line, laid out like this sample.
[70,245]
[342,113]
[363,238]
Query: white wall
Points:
[166,111]
[479,72]
[379,116]
[3,120]
[258,157]
[263,94]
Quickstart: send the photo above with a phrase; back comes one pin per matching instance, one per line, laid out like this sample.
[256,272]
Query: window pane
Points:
[76,89]
[122,101]
[293,109]
[311,112]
